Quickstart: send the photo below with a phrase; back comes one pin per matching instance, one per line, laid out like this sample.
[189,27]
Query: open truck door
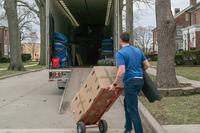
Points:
[86,24]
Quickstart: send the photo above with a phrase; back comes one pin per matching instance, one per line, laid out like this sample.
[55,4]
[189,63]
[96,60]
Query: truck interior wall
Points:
[86,38]
[61,23]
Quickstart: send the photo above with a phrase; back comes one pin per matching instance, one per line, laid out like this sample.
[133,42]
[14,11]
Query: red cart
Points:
[101,104]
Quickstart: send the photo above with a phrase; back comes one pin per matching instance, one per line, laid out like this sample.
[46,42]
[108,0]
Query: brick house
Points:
[4,42]
[155,43]
[188,28]
[33,49]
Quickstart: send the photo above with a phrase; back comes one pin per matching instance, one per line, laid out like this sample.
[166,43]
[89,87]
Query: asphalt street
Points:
[30,104]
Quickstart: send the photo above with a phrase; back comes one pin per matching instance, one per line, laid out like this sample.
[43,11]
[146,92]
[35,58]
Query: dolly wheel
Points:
[81,127]
[61,88]
[103,126]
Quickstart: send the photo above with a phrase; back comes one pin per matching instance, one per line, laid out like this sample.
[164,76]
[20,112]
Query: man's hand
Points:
[111,87]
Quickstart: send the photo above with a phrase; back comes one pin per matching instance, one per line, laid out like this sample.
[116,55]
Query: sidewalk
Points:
[3,69]
[182,128]
[72,130]
[181,79]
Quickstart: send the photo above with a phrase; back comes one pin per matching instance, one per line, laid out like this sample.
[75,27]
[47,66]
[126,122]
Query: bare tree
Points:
[41,4]
[27,20]
[129,18]
[130,14]
[143,36]
[166,28]
[2,13]
[14,35]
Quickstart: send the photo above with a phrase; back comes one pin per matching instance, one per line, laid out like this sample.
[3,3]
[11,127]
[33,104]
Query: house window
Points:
[5,33]
[178,32]
[6,50]
[194,18]
[193,40]
[187,17]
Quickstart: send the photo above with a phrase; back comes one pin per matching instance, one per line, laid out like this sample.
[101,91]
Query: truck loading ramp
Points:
[78,76]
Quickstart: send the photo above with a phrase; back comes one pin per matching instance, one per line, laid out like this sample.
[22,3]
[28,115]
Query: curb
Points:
[66,130]
[149,120]
[22,73]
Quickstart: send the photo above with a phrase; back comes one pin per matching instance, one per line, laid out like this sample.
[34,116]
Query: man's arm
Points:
[146,64]
[120,72]
[120,75]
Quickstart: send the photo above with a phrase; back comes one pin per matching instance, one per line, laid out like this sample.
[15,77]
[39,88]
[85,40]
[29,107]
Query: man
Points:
[131,62]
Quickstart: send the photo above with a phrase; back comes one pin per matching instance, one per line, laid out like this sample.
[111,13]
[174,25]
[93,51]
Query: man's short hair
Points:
[125,37]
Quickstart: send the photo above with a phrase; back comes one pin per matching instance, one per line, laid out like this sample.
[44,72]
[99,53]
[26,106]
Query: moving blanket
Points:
[59,37]
[150,90]
[62,54]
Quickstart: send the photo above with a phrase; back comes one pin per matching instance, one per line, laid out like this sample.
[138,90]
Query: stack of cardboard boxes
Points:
[86,97]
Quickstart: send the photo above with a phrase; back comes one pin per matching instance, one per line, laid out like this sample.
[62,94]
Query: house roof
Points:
[194,8]
[5,27]
[190,8]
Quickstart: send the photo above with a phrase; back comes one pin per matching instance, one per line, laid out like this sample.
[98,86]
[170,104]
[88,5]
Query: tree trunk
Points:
[42,10]
[129,18]
[14,36]
[120,16]
[166,29]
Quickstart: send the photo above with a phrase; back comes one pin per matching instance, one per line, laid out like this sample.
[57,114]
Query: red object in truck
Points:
[55,62]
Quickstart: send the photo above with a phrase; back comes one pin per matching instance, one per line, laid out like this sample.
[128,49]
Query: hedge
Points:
[4,60]
[152,57]
[26,57]
[191,57]
[188,57]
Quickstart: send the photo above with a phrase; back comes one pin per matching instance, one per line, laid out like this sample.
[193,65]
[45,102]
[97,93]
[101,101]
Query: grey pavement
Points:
[54,131]
[30,101]
[29,104]
[182,128]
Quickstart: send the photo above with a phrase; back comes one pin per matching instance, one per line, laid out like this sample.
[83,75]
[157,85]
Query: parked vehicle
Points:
[76,31]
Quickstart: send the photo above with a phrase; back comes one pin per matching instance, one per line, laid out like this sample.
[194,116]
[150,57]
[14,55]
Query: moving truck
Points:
[84,23]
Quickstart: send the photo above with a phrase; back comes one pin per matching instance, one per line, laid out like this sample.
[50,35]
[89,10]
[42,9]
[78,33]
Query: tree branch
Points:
[24,4]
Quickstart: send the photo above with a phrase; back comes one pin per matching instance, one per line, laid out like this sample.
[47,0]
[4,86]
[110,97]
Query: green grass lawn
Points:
[7,73]
[153,63]
[189,72]
[152,77]
[175,110]
[5,65]
[35,67]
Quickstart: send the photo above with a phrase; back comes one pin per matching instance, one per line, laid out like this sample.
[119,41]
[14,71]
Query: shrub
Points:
[152,57]
[191,57]
[188,57]
[26,57]
[4,60]
[179,59]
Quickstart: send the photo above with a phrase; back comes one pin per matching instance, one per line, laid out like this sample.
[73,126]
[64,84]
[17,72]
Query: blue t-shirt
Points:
[132,58]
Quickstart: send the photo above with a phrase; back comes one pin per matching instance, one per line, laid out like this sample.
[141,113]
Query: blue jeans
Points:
[131,90]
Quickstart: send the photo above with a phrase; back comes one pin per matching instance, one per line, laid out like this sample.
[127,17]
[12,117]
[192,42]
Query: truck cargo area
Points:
[85,23]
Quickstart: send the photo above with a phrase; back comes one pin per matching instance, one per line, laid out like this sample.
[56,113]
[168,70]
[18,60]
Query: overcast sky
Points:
[147,15]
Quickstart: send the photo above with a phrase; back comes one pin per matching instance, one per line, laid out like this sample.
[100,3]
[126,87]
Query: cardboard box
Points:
[104,76]
[86,96]
[77,107]
[99,78]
